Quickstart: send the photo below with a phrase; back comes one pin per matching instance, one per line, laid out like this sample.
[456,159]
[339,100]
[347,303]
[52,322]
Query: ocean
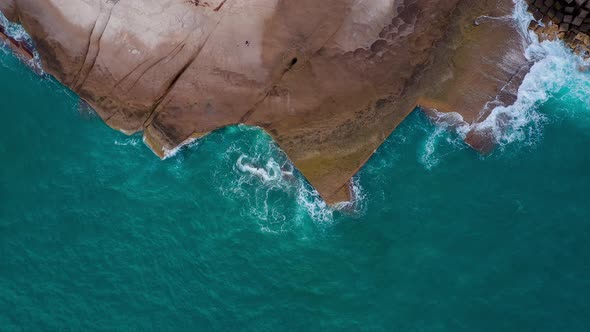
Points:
[98,234]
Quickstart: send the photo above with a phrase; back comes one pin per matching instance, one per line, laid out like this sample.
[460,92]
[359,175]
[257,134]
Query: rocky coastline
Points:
[329,81]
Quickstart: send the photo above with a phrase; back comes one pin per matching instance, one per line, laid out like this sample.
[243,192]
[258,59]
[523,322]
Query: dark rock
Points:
[481,140]
[559,17]
[564,27]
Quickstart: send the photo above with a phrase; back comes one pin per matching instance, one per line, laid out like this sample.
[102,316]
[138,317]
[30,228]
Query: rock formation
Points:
[328,80]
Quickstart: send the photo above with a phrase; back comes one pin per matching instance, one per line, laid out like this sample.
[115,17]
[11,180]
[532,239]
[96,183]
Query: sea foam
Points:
[18,33]
[271,179]
[272,176]
[555,72]
[268,182]
[555,69]
[187,144]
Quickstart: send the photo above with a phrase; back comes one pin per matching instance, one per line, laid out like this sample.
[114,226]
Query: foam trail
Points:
[269,176]
[128,141]
[428,157]
[266,176]
[270,173]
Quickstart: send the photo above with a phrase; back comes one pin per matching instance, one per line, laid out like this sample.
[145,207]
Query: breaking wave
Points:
[556,73]
[275,192]
[18,33]
[449,129]
[187,144]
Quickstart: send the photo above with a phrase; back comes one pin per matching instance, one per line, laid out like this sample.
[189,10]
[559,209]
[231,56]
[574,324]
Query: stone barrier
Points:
[568,20]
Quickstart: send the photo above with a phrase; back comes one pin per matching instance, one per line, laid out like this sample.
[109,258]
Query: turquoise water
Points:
[97,234]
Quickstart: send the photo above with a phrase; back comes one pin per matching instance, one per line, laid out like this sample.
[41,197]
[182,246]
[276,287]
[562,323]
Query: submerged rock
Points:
[328,80]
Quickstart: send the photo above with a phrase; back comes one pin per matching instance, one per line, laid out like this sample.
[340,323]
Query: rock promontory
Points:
[328,80]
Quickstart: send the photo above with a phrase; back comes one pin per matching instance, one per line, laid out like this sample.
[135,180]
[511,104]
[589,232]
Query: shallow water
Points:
[98,234]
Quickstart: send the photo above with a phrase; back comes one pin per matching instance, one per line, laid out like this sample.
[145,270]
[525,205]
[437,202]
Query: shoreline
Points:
[330,121]
[19,48]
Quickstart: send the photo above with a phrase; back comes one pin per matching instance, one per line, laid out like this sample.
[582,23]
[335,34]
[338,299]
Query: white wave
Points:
[313,204]
[128,141]
[556,69]
[189,143]
[357,199]
[428,157]
[273,176]
[271,172]
[266,176]
[17,32]
[430,154]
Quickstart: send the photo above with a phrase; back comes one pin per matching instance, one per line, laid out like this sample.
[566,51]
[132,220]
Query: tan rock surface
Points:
[328,80]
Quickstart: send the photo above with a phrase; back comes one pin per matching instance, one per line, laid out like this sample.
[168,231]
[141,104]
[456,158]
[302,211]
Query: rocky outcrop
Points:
[328,80]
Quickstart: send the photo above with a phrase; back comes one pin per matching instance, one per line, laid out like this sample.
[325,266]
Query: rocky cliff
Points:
[328,80]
